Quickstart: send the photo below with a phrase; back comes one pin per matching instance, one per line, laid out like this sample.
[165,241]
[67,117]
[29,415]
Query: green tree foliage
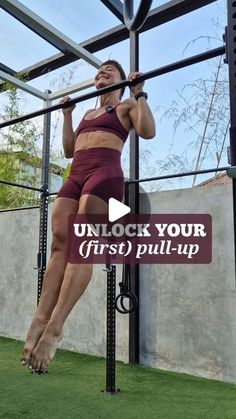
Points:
[18,145]
[66,172]
[202,108]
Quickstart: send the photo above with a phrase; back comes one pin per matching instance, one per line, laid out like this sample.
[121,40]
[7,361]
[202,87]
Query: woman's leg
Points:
[54,273]
[75,281]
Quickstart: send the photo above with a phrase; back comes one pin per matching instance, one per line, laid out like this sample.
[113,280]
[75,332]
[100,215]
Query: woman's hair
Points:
[121,71]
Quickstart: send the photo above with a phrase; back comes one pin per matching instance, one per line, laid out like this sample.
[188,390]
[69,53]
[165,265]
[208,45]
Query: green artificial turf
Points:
[72,390]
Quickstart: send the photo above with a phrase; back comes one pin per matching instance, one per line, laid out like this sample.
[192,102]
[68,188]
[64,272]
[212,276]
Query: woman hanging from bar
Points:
[95,176]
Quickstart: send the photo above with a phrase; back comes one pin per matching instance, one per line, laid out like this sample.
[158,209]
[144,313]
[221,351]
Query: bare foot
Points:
[36,330]
[45,350]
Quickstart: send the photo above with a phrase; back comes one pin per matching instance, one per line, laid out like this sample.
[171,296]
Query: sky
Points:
[173,41]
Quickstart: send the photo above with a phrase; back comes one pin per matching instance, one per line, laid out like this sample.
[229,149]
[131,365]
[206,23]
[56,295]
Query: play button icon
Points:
[116,209]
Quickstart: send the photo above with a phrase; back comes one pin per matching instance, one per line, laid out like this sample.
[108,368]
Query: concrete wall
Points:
[187,312]
[85,329]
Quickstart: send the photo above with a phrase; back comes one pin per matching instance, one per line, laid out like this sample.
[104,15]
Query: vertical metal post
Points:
[134,204]
[231,58]
[43,223]
[111,331]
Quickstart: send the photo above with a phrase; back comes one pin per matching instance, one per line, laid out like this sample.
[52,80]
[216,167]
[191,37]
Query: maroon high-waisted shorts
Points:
[96,171]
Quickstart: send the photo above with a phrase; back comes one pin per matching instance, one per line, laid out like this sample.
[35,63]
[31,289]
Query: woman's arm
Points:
[67,130]
[140,114]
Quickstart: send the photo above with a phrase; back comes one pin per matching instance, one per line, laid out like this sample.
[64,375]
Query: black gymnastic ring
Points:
[133,300]
[134,23]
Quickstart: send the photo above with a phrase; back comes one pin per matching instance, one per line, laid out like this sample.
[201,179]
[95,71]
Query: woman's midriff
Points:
[98,139]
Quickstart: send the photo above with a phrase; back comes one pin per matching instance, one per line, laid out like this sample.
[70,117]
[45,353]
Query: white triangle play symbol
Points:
[116,209]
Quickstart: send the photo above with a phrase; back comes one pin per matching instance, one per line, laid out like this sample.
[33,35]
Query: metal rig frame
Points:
[71,51]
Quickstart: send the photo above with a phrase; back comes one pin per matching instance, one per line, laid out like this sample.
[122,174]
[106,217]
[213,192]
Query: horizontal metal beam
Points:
[158,16]
[18,209]
[21,85]
[116,7]
[172,10]
[181,174]
[71,89]
[150,179]
[47,31]
[7,70]
[175,175]
[19,185]
[144,76]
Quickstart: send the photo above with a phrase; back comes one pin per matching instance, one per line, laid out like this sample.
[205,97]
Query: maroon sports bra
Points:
[107,121]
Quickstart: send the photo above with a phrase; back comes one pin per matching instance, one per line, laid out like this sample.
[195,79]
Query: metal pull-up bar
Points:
[144,76]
